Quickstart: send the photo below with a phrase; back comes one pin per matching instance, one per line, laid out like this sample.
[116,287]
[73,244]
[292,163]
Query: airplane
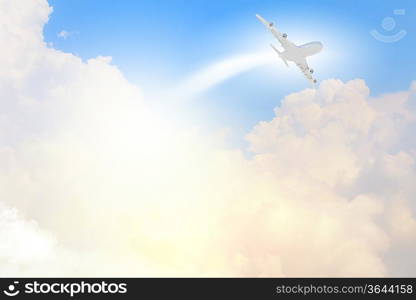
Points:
[292,52]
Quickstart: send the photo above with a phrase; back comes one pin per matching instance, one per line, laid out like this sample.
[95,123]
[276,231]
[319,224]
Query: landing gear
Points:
[311,71]
[284,35]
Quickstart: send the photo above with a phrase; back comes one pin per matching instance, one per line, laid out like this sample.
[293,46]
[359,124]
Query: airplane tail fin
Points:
[280,54]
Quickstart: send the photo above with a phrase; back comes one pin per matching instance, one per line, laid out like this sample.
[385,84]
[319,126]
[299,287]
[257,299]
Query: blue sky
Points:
[158,43]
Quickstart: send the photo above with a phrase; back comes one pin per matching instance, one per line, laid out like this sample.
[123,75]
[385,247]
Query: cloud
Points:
[64,34]
[99,184]
[17,236]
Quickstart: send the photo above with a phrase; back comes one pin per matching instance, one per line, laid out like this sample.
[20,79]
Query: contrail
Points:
[218,72]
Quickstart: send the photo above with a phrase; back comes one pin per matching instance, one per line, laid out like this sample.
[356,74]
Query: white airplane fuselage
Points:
[291,52]
[295,53]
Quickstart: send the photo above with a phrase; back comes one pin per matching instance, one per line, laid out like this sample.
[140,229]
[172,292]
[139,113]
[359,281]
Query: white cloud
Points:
[98,184]
[17,237]
[64,34]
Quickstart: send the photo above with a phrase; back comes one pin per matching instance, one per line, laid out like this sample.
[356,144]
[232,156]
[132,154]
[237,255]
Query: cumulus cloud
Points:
[96,183]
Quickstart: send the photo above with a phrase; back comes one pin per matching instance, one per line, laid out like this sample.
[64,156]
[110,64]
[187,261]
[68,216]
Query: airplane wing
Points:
[304,68]
[282,38]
